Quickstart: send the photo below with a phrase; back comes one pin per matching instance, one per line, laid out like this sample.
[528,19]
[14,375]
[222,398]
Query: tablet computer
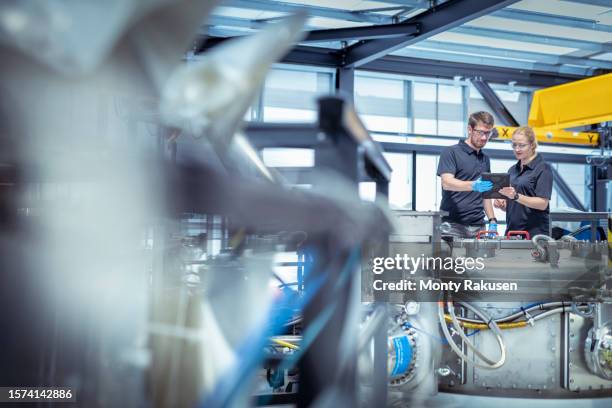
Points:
[499,181]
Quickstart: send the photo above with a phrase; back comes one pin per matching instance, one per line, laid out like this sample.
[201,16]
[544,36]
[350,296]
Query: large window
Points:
[382,103]
[428,187]
[290,94]
[426,106]
[410,104]
[438,109]
[451,115]
[400,187]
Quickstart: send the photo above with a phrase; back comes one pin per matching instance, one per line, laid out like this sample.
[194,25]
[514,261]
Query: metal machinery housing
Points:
[141,231]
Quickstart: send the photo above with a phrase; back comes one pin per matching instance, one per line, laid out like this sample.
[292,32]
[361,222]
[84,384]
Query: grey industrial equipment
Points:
[560,349]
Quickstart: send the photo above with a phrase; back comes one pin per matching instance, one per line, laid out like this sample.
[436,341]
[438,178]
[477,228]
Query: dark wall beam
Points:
[494,102]
[434,21]
[327,57]
[304,55]
[324,57]
[446,69]
[298,135]
[492,153]
[264,135]
[345,83]
[363,33]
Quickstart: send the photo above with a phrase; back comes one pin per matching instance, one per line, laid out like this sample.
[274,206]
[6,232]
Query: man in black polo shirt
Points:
[460,168]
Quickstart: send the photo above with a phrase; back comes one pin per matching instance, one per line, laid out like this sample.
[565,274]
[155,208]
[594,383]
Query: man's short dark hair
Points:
[484,117]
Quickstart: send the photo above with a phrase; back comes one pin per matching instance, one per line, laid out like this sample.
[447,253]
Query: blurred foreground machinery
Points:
[140,228]
[140,243]
[143,240]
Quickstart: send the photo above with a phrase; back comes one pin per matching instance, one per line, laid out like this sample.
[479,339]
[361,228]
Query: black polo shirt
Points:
[465,163]
[535,180]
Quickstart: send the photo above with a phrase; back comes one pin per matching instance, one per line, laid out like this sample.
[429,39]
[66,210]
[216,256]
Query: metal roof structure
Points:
[519,40]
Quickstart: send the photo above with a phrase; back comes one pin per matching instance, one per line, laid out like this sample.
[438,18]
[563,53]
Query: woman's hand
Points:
[509,192]
[501,204]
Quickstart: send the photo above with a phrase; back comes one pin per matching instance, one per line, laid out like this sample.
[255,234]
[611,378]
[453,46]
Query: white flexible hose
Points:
[492,325]
[459,331]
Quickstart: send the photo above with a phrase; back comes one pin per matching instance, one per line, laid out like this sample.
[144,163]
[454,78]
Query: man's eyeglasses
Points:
[519,146]
[485,133]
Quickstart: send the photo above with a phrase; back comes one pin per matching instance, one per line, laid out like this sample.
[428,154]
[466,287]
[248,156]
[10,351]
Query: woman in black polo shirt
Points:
[530,188]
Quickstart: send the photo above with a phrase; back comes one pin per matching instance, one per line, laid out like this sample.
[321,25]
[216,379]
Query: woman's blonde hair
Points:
[529,134]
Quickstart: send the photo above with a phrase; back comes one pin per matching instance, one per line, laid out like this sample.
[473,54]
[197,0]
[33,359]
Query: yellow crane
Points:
[579,103]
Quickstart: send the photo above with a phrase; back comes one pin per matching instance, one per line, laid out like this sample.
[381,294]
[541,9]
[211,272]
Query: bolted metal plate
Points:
[532,361]
[580,377]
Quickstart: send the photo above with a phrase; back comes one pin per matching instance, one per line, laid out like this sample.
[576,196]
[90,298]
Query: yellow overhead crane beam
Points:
[579,103]
[574,104]
[554,136]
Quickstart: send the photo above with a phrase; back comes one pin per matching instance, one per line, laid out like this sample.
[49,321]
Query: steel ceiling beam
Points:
[601,3]
[317,56]
[434,21]
[533,38]
[545,18]
[327,57]
[314,35]
[586,53]
[450,69]
[495,62]
[508,53]
[394,30]
[283,7]
[224,32]
[381,9]
[363,33]
[226,21]
[409,3]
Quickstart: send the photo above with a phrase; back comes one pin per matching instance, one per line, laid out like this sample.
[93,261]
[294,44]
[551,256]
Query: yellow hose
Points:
[483,326]
[285,344]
